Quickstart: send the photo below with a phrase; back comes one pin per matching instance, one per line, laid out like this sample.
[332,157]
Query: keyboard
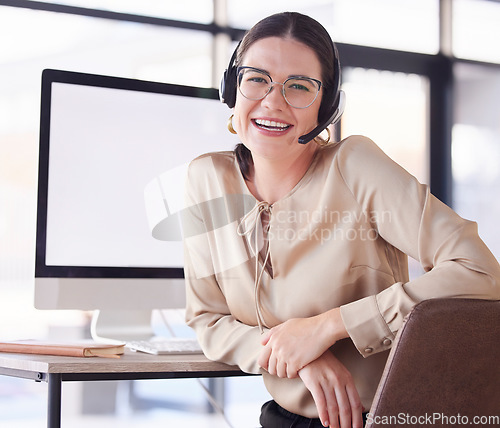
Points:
[167,345]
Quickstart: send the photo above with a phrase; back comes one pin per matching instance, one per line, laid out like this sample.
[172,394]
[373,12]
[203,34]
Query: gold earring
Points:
[320,141]
[230,125]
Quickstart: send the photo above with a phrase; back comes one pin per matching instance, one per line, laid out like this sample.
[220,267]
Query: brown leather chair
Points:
[443,368]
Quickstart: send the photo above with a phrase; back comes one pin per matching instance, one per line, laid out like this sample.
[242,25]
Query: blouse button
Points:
[368,350]
[387,342]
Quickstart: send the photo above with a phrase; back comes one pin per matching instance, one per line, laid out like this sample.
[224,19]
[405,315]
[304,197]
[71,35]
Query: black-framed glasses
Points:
[298,91]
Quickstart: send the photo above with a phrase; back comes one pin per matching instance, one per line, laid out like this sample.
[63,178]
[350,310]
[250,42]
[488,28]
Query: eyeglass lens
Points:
[299,92]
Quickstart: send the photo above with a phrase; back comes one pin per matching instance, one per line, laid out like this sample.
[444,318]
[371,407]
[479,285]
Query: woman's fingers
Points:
[272,365]
[334,393]
[292,371]
[332,408]
[356,406]
[344,407]
[265,337]
[297,342]
[281,369]
[264,356]
[320,400]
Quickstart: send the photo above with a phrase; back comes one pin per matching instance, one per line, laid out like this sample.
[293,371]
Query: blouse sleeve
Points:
[221,336]
[455,260]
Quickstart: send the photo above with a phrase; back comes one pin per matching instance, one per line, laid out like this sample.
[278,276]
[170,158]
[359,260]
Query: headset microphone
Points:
[332,119]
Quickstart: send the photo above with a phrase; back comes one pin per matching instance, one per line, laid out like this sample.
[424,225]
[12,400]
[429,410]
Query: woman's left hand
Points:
[334,392]
[297,342]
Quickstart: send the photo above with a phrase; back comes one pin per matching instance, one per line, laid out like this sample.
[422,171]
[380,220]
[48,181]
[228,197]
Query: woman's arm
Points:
[221,336]
[456,261]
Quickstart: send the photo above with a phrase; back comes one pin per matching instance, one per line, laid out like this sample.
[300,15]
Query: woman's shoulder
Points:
[354,145]
[358,153]
[361,163]
[351,152]
[367,170]
[211,162]
[222,156]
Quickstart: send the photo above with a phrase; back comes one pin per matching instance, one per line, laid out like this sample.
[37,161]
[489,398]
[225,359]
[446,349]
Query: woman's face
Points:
[281,58]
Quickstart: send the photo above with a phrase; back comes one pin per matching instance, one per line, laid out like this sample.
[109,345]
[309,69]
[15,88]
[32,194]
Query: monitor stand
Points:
[121,325]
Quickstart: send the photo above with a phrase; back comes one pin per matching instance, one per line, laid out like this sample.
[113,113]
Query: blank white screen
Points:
[105,146]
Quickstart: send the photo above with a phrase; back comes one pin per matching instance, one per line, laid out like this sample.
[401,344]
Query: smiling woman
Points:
[312,302]
[277,158]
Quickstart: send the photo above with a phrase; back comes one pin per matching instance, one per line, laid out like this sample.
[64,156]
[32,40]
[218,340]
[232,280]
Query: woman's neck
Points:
[271,180]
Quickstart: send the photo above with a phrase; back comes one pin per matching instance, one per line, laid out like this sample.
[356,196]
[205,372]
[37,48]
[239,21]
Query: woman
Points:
[296,262]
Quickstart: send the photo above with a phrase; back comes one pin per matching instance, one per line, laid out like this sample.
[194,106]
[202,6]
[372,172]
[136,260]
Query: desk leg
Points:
[54,400]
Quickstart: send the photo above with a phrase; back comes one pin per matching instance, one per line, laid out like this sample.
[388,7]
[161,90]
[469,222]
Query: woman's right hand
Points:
[333,391]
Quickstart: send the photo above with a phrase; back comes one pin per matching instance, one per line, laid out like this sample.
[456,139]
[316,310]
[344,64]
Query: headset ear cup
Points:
[222,88]
[228,84]
[227,90]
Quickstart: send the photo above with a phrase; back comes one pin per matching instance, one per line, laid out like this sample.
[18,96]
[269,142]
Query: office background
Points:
[422,79]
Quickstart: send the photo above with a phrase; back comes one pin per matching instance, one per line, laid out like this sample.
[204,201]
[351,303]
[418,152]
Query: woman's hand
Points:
[334,392]
[295,343]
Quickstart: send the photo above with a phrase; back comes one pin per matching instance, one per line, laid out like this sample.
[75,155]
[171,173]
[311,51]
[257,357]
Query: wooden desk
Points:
[131,366]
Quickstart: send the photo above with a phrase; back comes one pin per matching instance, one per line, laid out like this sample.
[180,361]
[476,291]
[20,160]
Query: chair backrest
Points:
[443,368]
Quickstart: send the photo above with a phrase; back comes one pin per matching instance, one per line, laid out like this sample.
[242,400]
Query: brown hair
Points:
[305,30]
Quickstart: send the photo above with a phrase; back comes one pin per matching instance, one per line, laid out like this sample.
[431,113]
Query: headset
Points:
[329,113]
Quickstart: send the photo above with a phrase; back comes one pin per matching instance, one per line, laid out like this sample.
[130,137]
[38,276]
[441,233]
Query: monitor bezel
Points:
[49,77]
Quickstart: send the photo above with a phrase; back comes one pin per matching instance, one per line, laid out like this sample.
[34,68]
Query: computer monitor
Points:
[104,143]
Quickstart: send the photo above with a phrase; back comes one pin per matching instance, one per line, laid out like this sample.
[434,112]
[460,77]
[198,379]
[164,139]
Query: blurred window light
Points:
[39,39]
[408,25]
[476,33]
[391,109]
[200,11]
[102,46]
[246,14]
[476,149]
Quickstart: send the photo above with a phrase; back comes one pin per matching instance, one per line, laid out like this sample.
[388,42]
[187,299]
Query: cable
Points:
[214,403]
[209,395]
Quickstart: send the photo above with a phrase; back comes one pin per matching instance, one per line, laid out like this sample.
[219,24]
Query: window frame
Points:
[438,69]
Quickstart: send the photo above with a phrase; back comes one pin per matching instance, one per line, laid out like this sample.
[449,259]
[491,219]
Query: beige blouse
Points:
[338,239]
